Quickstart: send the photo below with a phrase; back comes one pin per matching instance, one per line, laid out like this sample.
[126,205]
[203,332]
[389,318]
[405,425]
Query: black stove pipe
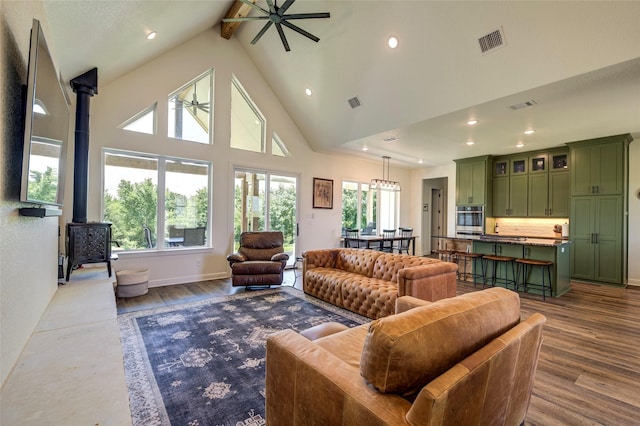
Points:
[85,86]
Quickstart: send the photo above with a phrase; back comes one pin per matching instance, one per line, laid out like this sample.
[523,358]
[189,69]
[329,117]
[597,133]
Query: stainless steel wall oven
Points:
[469,220]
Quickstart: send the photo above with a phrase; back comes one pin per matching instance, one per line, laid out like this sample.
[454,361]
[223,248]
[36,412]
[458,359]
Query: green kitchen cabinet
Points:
[548,194]
[598,221]
[473,181]
[596,230]
[499,249]
[510,196]
[597,166]
[560,271]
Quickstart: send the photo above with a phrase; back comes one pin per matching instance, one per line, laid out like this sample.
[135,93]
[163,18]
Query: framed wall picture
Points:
[322,193]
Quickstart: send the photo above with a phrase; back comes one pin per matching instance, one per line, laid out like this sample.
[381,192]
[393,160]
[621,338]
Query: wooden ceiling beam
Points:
[237,10]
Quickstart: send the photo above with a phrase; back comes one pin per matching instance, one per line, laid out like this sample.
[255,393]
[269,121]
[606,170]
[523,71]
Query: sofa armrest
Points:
[405,303]
[432,282]
[320,258]
[280,257]
[236,257]
[305,381]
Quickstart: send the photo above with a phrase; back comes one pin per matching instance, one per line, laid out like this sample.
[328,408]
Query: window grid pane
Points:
[189,112]
[247,124]
[134,185]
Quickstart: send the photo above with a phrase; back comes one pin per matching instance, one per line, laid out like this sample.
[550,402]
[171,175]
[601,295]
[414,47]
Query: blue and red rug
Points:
[204,363]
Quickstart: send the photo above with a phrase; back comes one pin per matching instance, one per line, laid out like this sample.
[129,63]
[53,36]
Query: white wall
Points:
[130,94]
[28,246]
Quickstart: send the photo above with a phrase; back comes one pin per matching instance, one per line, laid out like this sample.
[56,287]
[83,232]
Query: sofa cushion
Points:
[261,245]
[358,261]
[256,267]
[374,298]
[326,284]
[404,352]
[386,266]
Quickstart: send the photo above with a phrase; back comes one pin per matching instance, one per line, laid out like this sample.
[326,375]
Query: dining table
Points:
[373,241]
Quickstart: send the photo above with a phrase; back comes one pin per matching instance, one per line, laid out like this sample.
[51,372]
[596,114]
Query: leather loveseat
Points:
[467,360]
[368,282]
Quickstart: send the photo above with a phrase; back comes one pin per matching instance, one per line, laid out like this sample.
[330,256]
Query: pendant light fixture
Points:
[384,183]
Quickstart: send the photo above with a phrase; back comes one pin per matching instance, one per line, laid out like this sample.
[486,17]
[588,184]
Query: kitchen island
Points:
[556,250]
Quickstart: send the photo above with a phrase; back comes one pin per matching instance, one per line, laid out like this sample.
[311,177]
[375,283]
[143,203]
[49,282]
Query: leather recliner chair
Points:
[260,259]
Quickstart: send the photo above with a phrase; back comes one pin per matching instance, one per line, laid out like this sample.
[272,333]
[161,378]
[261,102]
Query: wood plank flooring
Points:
[589,367]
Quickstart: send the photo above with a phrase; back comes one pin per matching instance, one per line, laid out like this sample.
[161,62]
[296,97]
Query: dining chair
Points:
[386,245]
[194,236]
[403,245]
[351,233]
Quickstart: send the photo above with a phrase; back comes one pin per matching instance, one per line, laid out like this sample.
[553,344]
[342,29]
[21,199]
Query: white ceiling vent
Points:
[492,41]
[354,102]
[521,105]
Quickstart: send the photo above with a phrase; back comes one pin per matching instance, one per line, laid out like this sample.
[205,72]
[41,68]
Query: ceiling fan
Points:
[276,15]
[193,104]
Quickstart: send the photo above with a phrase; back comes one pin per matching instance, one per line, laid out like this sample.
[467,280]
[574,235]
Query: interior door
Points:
[266,201]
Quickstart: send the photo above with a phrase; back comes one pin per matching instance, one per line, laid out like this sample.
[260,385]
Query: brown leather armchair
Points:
[260,259]
[465,360]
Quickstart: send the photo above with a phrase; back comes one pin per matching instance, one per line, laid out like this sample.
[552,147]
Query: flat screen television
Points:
[46,127]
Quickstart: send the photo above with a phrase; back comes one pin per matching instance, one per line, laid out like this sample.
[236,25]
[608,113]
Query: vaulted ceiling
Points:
[579,62]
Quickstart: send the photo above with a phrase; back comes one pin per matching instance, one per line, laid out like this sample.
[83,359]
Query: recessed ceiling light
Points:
[392,42]
[420,161]
[308,91]
[529,132]
[390,139]
[470,142]
[519,145]
[151,35]
[472,122]
[365,148]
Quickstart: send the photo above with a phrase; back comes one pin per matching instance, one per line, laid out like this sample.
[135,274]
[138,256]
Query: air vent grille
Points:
[354,102]
[493,40]
[521,105]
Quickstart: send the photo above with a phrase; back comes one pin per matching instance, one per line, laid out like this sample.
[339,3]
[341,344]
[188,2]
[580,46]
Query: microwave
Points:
[469,220]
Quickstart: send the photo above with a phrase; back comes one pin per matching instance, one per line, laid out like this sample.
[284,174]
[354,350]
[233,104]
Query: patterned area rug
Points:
[204,363]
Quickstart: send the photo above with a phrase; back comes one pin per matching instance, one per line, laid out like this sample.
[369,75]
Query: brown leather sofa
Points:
[260,259]
[368,282]
[467,360]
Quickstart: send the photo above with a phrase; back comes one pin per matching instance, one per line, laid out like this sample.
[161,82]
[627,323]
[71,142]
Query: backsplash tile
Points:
[526,227]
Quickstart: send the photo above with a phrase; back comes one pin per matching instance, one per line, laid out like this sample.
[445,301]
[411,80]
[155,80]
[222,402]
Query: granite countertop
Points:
[512,239]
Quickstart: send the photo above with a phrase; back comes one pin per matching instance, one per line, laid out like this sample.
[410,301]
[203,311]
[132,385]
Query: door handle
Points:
[297,229]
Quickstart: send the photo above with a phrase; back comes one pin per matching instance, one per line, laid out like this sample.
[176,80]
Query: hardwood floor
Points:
[589,367]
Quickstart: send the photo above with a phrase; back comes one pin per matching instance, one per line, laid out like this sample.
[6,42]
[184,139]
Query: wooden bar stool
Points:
[498,260]
[474,257]
[532,263]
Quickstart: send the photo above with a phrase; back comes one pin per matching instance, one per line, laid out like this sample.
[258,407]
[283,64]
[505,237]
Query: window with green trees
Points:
[359,207]
[136,186]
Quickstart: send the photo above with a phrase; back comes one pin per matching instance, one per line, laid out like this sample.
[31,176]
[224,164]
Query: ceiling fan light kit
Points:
[277,15]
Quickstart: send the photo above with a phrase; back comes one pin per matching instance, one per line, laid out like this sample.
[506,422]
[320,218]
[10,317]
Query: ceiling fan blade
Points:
[247,18]
[307,15]
[285,6]
[285,43]
[255,6]
[272,8]
[300,31]
[261,33]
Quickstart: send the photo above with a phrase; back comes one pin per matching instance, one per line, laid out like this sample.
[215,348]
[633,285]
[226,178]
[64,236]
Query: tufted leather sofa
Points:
[368,282]
[466,360]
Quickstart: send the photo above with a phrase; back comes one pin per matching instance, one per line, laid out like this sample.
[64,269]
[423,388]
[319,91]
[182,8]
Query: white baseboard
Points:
[633,282]
[188,279]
